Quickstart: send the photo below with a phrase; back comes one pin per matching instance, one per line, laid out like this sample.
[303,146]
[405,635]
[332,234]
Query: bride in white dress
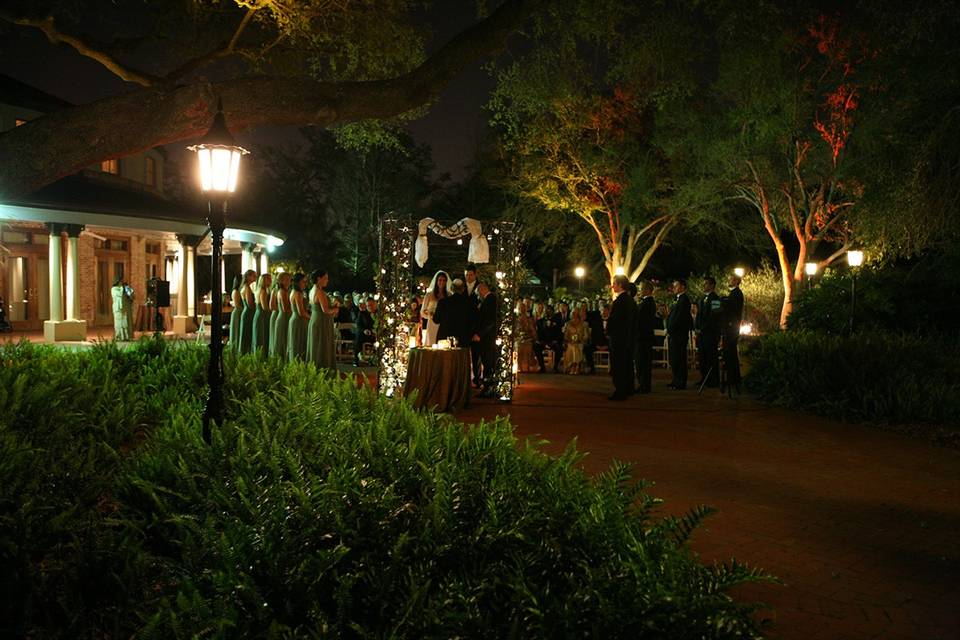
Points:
[439,288]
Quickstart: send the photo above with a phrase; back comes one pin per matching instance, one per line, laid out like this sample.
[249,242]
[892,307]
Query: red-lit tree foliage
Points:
[810,199]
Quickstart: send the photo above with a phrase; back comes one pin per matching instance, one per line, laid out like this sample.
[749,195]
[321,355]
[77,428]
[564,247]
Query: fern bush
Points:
[865,376]
[319,510]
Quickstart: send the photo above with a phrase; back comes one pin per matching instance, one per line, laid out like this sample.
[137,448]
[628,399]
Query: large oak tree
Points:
[311,62]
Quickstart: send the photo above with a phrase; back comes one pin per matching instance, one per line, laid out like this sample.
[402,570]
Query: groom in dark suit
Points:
[621,332]
[457,316]
[486,338]
[646,325]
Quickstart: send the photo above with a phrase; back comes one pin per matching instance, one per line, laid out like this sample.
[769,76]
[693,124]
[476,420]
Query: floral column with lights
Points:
[508,274]
[394,280]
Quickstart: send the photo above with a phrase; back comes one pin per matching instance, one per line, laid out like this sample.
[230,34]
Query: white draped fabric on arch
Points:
[478,252]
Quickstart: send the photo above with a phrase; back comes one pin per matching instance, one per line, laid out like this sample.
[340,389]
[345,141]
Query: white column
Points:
[191,283]
[248,262]
[182,272]
[264,262]
[223,277]
[56,282]
[73,279]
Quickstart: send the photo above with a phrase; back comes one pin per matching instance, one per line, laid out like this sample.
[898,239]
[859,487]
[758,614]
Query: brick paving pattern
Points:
[862,526]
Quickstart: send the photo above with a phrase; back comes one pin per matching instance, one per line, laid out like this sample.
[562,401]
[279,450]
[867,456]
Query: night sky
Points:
[453,127]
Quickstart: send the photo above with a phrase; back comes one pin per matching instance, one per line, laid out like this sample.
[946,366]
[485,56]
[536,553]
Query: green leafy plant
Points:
[319,509]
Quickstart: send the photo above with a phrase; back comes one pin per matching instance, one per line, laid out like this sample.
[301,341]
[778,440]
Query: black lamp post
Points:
[854,259]
[219,156]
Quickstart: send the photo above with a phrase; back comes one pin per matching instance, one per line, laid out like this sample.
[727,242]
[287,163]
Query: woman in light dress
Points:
[527,326]
[297,325]
[249,309]
[237,305]
[261,317]
[575,335]
[321,348]
[438,290]
[280,319]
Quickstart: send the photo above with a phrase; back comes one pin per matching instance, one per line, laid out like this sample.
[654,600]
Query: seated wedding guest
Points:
[457,316]
[563,313]
[575,335]
[346,315]
[538,310]
[527,327]
[598,337]
[412,319]
[549,336]
[364,329]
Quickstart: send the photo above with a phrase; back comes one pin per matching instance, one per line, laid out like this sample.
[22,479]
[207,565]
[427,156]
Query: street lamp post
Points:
[579,272]
[854,259]
[811,270]
[218,156]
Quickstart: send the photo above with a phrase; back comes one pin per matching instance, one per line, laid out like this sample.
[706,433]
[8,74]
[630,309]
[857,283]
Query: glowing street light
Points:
[854,259]
[739,271]
[621,271]
[579,272]
[811,268]
[218,158]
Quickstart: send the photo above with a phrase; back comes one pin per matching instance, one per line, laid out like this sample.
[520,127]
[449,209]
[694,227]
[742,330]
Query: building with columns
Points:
[62,247]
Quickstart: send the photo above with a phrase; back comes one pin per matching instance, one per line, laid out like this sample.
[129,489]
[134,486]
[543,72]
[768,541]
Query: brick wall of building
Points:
[88,278]
[138,261]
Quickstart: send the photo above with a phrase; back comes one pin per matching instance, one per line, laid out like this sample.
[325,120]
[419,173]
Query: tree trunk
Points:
[63,142]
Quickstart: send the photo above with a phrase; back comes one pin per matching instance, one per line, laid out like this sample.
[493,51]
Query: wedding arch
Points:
[403,242]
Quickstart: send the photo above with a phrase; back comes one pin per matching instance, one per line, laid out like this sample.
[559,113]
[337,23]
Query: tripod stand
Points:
[724,378]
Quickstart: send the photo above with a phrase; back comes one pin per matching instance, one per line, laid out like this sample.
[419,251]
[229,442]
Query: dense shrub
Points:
[866,376]
[320,509]
[919,296]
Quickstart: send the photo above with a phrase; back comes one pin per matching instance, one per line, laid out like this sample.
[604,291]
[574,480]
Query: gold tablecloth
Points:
[441,378]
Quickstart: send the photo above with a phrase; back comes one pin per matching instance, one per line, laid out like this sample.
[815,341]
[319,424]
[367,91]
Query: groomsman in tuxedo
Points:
[646,325]
[486,338]
[621,333]
[732,318]
[456,315]
[470,290]
[679,323]
[708,324]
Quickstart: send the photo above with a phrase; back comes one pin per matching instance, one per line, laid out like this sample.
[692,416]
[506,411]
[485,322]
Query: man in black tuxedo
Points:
[486,337]
[457,316]
[621,332]
[679,324]
[470,291]
[364,329]
[732,318]
[646,325]
[708,325]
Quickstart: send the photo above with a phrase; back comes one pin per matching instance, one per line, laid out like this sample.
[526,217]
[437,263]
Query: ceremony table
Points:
[441,378]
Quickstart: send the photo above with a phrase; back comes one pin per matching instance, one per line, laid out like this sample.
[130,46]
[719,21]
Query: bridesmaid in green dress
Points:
[261,318]
[297,325]
[320,340]
[272,320]
[237,305]
[278,332]
[246,317]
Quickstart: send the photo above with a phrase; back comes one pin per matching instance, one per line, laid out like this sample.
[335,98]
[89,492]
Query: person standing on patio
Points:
[708,321]
[281,324]
[733,317]
[237,303]
[486,338]
[249,309]
[439,289]
[261,317]
[297,325]
[321,349]
[122,303]
[621,330]
[646,326]
[679,323]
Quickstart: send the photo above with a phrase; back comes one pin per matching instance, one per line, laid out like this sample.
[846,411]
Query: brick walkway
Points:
[862,526]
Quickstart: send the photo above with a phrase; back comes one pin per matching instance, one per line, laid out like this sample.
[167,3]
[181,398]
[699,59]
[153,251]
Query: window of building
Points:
[151,172]
[110,166]
[18,121]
